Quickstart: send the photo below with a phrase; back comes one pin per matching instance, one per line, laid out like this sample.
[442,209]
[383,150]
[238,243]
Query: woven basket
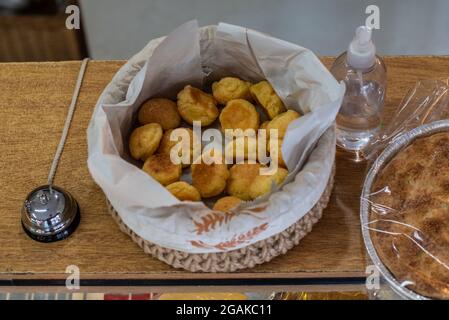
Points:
[247,257]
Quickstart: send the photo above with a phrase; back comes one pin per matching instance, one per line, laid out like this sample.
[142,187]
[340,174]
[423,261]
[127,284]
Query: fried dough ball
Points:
[230,88]
[162,169]
[239,114]
[240,179]
[280,175]
[145,140]
[196,105]
[209,179]
[264,94]
[246,146]
[263,184]
[226,203]
[277,152]
[160,110]
[281,122]
[166,144]
[184,191]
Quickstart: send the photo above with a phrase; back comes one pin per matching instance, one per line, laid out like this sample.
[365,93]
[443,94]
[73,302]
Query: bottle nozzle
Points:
[361,51]
[363,35]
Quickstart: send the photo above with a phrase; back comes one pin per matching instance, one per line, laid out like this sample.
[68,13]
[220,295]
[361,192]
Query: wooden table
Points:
[33,102]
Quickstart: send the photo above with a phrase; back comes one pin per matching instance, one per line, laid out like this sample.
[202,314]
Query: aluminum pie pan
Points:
[398,144]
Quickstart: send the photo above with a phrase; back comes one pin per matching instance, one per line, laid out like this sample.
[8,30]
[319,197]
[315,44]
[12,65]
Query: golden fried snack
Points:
[160,110]
[240,179]
[166,144]
[209,179]
[280,175]
[264,94]
[196,105]
[245,147]
[239,114]
[184,191]
[276,153]
[226,203]
[263,184]
[162,169]
[144,141]
[281,122]
[230,88]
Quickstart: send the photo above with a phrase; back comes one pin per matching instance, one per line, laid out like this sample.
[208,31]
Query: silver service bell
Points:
[50,214]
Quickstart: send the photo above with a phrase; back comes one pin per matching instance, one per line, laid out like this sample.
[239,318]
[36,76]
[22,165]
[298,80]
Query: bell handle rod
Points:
[68,121]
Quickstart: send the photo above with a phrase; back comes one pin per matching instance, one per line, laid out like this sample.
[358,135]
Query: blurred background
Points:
[35,30]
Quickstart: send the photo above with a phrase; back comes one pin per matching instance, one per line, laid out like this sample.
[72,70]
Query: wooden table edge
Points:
[142,277]
[205,282]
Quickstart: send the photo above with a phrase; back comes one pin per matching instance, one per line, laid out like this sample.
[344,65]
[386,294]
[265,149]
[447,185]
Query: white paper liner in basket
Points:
[190,55]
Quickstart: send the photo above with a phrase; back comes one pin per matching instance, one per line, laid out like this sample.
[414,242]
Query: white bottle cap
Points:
[361,52]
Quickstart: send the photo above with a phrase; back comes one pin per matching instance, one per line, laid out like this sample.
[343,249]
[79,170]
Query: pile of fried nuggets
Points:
[158,117]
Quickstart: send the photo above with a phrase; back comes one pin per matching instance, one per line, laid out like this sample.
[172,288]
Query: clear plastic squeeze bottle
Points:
[365,76]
